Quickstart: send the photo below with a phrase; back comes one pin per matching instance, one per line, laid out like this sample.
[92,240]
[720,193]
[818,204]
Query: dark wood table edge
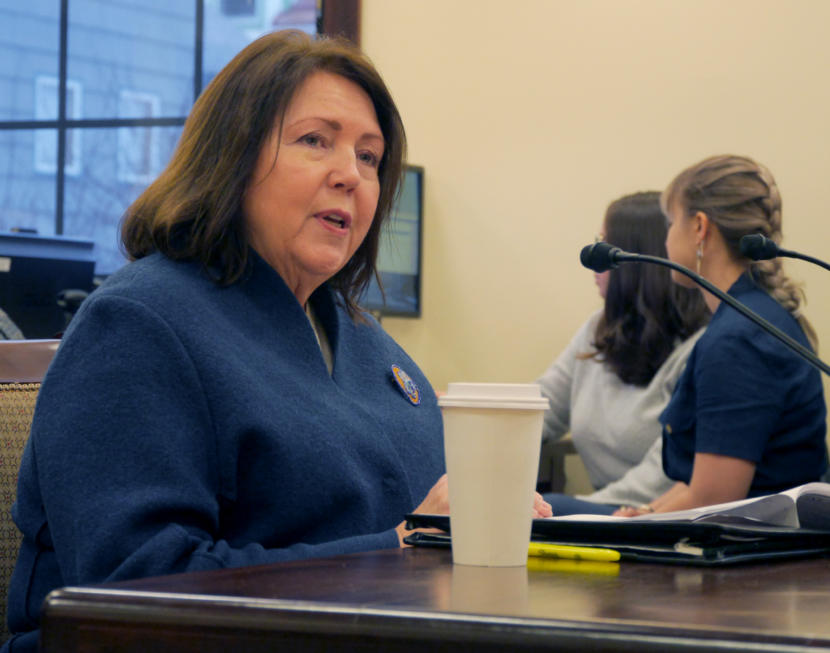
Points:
[310,617]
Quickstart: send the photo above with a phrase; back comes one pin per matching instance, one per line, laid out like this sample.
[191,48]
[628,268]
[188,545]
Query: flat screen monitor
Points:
[33,270]
[399,253]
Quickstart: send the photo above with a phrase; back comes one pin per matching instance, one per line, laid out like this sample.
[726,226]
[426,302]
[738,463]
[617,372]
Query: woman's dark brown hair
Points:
[646,314]
[193,210]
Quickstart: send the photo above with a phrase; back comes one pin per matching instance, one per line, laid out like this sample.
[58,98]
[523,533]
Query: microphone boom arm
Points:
[804,257]
[622,257]
[760,248]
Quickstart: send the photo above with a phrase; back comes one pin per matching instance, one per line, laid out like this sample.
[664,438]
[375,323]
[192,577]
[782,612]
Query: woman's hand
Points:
[632,511]
[541,508]
[437,502]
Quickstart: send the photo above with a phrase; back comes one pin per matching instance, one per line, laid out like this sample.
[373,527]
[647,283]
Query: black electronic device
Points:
[399,253]
[35,273]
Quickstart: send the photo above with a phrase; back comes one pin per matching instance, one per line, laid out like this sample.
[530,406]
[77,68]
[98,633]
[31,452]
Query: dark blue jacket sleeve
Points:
[738,402]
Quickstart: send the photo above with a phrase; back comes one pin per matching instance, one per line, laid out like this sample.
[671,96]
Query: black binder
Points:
[702,543]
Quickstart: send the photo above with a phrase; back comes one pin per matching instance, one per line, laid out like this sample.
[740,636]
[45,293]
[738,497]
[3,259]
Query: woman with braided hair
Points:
[747,416]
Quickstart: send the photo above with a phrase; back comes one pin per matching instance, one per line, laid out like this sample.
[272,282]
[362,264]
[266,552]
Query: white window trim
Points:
[125,140]
[45,139]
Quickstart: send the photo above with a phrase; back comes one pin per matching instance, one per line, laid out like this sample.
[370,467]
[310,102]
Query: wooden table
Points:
[417,600]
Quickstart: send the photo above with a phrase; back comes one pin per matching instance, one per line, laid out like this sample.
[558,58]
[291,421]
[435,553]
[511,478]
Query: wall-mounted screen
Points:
[399,255]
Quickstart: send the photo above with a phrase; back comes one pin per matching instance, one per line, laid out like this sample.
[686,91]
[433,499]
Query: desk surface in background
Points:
[416,600]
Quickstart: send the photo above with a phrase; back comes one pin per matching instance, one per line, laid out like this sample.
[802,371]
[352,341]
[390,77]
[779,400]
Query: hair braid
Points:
[770,273]
[741,197]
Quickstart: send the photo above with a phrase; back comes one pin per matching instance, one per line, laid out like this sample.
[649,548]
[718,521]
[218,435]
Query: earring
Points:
[699,256]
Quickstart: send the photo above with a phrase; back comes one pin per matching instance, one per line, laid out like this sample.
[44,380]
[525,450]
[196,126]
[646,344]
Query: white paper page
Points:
[777,509]
[812,488]
[682,515]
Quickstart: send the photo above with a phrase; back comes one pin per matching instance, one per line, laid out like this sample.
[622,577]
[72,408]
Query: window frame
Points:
[148,135]
[46,84]
[337,17]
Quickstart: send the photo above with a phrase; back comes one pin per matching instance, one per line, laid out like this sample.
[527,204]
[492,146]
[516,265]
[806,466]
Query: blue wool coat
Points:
[188,426]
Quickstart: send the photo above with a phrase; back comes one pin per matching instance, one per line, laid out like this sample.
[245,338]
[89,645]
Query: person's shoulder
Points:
[593,319]
[732,337]
[757,299]
[154,287]
[728,323]
[584,336]
[152,279]
[726,326]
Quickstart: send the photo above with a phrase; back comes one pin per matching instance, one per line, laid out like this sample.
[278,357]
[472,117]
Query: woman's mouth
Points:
[339,220]
[335,219]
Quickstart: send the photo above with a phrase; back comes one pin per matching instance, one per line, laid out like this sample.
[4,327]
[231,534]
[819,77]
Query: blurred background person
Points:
[610,384]
[748,415]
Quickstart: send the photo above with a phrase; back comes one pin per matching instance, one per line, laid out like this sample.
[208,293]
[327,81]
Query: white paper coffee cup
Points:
[492,437]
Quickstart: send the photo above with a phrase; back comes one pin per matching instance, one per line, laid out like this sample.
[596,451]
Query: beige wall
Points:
[530,116]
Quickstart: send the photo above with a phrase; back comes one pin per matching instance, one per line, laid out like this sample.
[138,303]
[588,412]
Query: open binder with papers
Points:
[795,523]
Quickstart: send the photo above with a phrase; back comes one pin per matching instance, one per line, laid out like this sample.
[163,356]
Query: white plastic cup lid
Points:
[523,396]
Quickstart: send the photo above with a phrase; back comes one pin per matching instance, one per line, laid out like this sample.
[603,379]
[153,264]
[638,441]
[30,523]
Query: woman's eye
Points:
[369,158]
[312,139]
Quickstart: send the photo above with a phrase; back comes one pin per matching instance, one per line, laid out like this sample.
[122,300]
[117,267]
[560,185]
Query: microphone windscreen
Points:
[758,247]
[598,257]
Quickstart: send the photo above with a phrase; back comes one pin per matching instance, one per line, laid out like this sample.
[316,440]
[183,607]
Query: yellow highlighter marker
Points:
[561,565]
[547,550]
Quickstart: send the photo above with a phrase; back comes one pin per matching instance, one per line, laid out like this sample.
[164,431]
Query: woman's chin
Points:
[682,280]
[325,267]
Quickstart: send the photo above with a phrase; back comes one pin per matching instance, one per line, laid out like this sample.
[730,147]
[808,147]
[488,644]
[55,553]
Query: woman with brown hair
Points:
[748,415]
[222,400]
[610,384]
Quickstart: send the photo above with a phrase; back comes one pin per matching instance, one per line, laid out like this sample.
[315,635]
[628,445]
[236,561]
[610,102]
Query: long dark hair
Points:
[193,210]
[645,312]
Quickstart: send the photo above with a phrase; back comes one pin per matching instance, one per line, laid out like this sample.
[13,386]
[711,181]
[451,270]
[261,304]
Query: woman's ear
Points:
[701,225]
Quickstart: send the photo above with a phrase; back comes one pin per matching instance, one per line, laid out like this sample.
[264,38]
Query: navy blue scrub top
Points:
[745,394]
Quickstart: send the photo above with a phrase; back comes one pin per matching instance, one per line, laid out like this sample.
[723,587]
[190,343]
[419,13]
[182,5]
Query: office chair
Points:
[8,329]
[552,465]
[23,364]
[25,361]
[17,405]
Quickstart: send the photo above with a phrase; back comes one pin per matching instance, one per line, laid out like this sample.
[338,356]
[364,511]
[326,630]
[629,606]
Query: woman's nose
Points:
[344,172]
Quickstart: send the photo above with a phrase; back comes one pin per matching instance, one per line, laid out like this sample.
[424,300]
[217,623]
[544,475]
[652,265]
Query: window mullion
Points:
[197,49]
[62,75]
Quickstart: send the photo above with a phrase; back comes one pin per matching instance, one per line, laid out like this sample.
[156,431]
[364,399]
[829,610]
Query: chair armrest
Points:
[25,361]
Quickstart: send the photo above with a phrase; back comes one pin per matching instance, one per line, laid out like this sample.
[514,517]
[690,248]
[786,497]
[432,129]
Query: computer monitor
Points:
[399,254]
[33,270]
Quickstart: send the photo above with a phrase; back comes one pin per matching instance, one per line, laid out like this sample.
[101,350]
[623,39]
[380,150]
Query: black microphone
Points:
[601,256]
[760,248]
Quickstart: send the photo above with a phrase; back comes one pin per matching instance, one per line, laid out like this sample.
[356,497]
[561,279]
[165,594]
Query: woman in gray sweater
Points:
[610,384]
